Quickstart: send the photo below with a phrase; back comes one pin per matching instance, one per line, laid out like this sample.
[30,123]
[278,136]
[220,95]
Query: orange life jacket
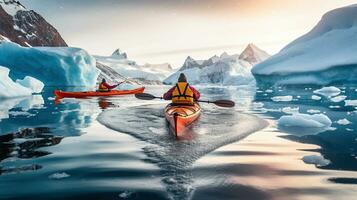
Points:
[182,94]
[103,88]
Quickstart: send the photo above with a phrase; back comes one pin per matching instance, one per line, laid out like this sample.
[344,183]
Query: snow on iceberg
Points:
[305,120]
[325,55]
[53,66]
[10,89]
[35,85]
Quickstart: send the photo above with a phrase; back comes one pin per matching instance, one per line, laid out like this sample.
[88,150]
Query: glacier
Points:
[323,56]
[54,66]
[147,73]
[223,70]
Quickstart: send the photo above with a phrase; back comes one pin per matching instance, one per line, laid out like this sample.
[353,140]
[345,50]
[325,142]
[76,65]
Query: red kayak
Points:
[181,116]
[60,94]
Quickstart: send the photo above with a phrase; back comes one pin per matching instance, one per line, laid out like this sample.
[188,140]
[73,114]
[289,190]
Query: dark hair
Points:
[103,80]
[182,78]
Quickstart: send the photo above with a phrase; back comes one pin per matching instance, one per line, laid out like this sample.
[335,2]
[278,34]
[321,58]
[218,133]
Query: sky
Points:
[159,31]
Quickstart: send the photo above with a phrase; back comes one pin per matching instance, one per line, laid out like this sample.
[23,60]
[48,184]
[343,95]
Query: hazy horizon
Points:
[158,31]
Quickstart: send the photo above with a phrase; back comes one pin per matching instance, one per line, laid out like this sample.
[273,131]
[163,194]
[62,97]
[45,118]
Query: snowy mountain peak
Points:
[11,7]
[119,54]
[224,55]
[253,54]
[189,62]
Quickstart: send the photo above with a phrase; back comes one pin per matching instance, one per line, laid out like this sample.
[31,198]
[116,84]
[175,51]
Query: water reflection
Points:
[67,118]
[338,144]
[25,144]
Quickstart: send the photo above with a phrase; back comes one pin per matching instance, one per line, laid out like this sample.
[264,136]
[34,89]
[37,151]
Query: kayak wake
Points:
[215,128]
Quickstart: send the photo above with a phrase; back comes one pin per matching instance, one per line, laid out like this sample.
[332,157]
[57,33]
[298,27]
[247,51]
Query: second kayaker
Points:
[182,92]
[105,87]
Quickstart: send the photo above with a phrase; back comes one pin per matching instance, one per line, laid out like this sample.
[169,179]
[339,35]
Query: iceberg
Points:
[54,66]
[10,89]
[325,55]
[35,85]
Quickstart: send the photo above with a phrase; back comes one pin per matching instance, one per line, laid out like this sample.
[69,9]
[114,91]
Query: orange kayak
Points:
[181,116]
[60,94]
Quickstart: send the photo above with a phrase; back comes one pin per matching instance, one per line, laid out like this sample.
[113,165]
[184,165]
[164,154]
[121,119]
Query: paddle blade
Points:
[145,96]
[224,103]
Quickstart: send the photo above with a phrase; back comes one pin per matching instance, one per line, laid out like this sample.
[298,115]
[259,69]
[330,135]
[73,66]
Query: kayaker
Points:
[105,87]
[182,92]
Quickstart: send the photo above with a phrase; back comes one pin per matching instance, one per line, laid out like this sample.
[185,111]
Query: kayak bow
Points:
[181,116]
[60,94]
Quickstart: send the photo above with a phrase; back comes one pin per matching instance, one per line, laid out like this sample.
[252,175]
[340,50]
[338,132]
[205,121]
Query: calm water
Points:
[120,148]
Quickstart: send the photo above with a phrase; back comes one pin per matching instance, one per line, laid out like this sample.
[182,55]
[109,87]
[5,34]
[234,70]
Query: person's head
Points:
[103,80]
[182,78]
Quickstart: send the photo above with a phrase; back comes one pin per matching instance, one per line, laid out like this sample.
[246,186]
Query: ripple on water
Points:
[175,158]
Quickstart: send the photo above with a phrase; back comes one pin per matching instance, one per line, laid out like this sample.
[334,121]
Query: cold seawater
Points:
[120,147]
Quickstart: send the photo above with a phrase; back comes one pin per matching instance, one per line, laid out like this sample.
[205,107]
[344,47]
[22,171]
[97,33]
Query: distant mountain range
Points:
[224,69]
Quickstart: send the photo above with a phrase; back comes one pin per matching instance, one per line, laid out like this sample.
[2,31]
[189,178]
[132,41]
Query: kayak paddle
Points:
[221,103]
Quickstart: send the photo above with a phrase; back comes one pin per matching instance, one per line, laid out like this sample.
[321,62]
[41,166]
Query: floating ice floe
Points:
[305,120]
[328,91]
[290,110]
[338,98]
[350,102]
[125,194]
[282,98]
[317,160]
[312,111]
[343,121]
[59,175]
[315,97]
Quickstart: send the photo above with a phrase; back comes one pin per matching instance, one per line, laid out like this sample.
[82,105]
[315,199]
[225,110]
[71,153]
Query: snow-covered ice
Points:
[323,56]
[11,7]
[53,66]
